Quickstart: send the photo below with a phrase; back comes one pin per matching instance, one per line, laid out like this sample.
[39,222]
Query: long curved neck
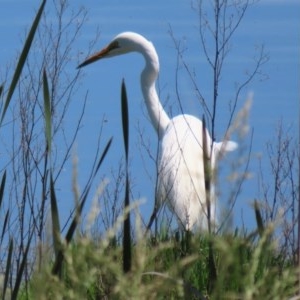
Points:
[158,116]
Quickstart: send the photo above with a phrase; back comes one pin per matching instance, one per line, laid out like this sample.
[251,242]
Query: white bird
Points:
[181,180]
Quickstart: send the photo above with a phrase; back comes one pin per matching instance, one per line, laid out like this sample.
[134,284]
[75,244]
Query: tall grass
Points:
[248,267]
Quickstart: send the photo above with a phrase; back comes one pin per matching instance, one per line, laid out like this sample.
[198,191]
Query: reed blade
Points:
[126,234]
[22,59]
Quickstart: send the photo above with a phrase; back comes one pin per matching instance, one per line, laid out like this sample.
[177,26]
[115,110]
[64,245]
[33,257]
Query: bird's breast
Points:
[181,150]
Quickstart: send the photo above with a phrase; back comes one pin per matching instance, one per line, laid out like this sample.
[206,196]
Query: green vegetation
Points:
[247,268]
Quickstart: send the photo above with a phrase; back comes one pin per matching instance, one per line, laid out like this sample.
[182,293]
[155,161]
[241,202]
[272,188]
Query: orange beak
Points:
[95,57]
[101,54]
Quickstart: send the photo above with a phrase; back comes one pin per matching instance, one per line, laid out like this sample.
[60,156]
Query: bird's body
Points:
[181,180]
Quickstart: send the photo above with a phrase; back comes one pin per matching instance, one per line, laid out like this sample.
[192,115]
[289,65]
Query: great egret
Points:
[180,165]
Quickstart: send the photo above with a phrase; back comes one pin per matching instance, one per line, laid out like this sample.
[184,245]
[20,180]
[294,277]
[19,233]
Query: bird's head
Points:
[123,43]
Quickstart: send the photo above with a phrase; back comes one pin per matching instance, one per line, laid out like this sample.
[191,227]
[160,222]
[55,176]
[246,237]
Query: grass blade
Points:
[259,219]
[22,59]
[55,217]
[126,234]
[57,266]
[2,186]
[125,121]
[103,156]
[79,209]
[47,108]
[4,226]
[21,270]
[8,267]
